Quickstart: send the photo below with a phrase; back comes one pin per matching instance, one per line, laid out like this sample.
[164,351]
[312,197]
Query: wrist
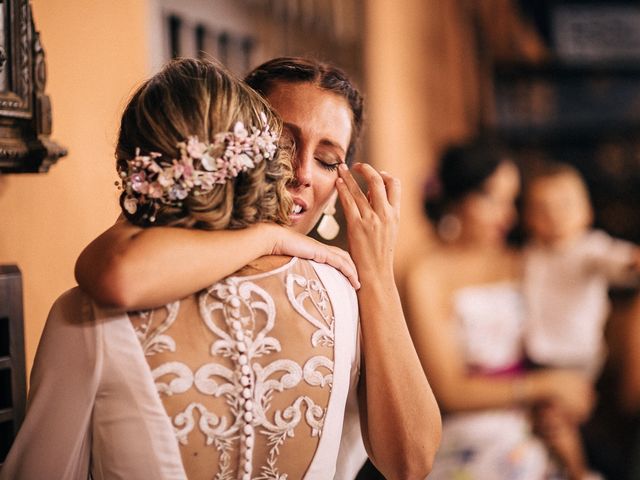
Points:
[378,284]
[372,272]
[521,390]
[267,236]
[542,386]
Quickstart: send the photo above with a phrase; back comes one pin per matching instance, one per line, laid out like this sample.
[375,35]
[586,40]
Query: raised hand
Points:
[372,219]
[391,364]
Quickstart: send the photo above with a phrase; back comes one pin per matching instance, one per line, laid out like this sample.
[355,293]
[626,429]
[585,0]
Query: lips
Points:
[298,210]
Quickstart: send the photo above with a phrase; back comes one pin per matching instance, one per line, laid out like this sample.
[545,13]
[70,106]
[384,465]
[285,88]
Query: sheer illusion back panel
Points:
[244,370]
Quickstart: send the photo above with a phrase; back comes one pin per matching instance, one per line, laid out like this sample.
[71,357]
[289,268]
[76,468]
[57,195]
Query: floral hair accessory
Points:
[151,180]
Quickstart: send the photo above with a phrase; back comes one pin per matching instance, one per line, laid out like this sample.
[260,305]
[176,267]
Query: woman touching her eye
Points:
[322,116]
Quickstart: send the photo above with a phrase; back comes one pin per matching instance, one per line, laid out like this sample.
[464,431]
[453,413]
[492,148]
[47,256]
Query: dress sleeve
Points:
[54,441]
[352,454]
[612,258]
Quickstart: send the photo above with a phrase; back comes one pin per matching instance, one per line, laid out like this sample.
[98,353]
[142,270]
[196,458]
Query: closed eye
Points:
[329,166]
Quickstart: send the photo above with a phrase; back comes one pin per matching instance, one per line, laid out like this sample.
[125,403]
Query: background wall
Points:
[422,92]
[96,52]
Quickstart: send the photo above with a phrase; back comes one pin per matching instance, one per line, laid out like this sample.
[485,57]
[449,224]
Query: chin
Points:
[300,226]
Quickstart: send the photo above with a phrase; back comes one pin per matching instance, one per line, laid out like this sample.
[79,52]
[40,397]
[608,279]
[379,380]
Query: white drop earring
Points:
[449,227]
[328,228]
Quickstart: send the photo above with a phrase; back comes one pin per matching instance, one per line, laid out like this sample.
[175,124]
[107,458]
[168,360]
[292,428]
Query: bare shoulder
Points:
[264,264]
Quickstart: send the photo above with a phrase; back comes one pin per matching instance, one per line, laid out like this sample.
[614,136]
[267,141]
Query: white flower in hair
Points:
[130,205]
[196,149]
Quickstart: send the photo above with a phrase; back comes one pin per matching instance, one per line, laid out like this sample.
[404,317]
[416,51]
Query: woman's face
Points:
[488,215]
[318,122]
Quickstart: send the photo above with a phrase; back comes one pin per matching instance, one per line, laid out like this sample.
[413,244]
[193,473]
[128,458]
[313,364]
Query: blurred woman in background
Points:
[466,316]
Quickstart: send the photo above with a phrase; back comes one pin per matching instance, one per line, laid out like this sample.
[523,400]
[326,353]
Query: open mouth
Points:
[298,209]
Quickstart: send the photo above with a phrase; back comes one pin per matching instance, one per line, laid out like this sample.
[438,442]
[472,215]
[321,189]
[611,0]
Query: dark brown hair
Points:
[463,169]
[199,97]
[303,70]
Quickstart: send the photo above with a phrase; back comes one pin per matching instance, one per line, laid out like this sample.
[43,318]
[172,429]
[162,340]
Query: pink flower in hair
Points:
[155,190]
[139,183]
[150,180]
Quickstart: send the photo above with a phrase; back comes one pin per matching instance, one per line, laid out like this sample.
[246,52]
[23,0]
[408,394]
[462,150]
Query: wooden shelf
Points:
[5,363]
[12,358]
[6,414]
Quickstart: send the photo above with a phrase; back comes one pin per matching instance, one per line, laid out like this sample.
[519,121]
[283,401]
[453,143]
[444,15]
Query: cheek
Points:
[324,187]
[473,215]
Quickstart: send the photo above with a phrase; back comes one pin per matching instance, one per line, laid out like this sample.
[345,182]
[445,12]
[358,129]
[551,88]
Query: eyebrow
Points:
[297,131]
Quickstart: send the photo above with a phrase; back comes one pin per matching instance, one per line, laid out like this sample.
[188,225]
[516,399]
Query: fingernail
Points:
[343,167]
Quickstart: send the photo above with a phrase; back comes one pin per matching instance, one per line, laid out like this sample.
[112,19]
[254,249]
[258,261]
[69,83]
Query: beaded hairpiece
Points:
[153,180]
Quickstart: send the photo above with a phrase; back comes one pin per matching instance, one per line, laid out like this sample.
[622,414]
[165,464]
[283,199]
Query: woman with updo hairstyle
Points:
[247,378]
[190,98]
[466,315]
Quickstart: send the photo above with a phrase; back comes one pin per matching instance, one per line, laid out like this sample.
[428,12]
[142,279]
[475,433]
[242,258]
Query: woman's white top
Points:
[497,443]
[261,384]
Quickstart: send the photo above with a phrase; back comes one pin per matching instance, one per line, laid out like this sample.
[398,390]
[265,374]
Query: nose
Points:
[302,174]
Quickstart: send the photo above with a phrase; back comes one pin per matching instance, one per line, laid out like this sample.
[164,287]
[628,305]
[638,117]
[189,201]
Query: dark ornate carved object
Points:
[25,110]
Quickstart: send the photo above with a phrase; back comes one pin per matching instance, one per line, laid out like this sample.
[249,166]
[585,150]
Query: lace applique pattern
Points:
[254,380]
[315,292]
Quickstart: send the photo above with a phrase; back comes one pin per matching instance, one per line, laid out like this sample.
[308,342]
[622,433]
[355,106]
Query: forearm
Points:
[484,392]
[481,392]
[150,267]
[402,422]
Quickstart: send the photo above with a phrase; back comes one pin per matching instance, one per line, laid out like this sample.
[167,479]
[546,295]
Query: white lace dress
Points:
[253,378]
[494,444]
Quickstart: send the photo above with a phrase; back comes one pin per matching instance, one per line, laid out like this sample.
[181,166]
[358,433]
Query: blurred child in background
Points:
[569,267]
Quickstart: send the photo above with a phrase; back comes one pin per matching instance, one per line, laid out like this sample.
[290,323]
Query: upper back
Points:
[254,369]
